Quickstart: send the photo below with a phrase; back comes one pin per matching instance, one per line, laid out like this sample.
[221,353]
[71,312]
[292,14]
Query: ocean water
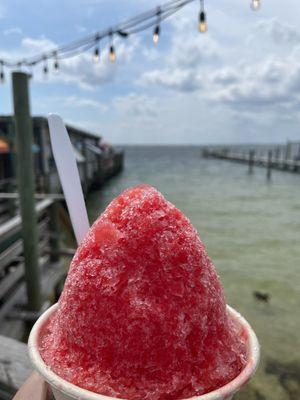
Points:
[251,228]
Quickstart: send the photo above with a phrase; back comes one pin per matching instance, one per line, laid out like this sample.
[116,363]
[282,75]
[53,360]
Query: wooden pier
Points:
[280,157]
[96,160]
[36,239]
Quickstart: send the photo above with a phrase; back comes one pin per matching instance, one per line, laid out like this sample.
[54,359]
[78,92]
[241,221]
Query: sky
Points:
[237,83]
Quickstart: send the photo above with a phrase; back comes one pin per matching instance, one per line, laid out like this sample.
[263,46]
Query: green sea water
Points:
[251,228]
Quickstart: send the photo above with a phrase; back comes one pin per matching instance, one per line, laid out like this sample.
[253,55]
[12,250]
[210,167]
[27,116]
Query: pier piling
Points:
[251,161]
[269,165]
[26,187]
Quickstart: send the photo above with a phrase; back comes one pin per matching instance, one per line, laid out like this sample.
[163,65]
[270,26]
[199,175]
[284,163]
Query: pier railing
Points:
[12,269]
[283,157]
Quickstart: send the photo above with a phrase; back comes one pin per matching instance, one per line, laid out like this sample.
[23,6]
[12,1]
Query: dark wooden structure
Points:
[13,312]
[96,161]
[279,157]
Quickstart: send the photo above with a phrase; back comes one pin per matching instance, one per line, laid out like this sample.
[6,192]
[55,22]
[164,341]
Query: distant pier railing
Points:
[281,157]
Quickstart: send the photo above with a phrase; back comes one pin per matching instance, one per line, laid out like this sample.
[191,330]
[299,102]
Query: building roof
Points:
[40,120]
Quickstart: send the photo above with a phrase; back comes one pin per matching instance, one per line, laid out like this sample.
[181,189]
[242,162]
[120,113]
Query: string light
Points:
[149,19]
[56,64]
[255,5]
[112,54]
[202,18]
[156,34]
[45,68]
[96,56]
[2,76]
[156,31]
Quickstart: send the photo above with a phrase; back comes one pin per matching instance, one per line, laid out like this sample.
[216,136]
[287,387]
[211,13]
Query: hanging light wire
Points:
[124,29]
[78,47]
[202,18]
[96,56]
[56,63]
[45,67]
[112,53]
[156,31]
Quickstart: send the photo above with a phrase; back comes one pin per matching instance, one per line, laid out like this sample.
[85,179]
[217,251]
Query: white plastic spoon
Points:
[69,176]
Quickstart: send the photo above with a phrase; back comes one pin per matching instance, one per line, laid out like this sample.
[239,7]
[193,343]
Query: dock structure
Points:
[34,221]
[96,160]
[279,157]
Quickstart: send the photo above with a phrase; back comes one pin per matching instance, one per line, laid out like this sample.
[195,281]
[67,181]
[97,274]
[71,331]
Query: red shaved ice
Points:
[142,314]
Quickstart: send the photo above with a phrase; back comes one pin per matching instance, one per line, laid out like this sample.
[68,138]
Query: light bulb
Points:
[112,54]
[2,76]
[96,56]
[202,22]
[255,5]
[156,34]
[56,66]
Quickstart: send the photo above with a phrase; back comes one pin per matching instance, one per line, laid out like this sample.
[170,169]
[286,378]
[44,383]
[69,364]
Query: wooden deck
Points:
[15,366]
[15,319]
[13,314]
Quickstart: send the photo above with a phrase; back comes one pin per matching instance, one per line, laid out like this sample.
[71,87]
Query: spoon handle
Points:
[64,156]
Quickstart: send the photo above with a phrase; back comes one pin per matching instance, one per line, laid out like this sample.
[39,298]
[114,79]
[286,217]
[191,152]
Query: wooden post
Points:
[251,161]
[26,187]
[269,165]
[288,151]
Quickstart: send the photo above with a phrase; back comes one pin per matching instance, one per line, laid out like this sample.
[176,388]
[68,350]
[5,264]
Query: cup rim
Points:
[83,394]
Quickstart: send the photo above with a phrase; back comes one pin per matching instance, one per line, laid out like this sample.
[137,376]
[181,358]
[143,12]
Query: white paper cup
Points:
[64,390]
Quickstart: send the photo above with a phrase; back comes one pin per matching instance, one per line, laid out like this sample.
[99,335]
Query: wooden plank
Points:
[14,250]
[13,225]
[15,366]
[38,196]
[10,280]
[18,295]
[51,275]
[9,254]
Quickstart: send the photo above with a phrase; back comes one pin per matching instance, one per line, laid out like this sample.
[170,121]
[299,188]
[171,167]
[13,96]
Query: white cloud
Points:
[270,85]
[220,86]
[88,75]
[183,80]
[278,31]
[189,54]
[136,105]
[198,64]
[31,46]
[83,102]
[12,31]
